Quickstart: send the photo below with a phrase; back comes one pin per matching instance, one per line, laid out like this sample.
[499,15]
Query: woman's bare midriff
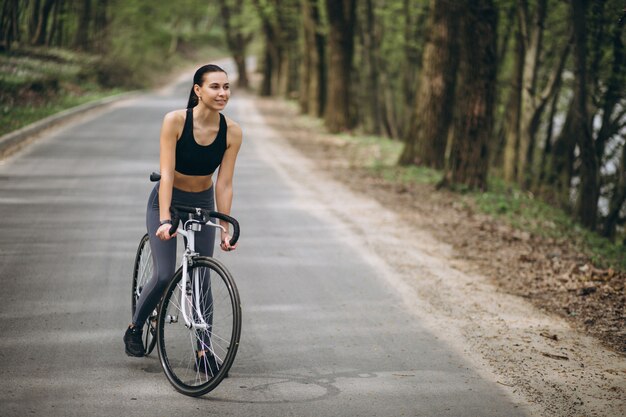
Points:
[192,183]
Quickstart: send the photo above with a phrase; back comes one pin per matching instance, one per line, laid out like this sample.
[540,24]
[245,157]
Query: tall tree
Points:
[43,15]
[9,23]
[81,40]
[100,25]
[272,46]
[238,33]
[510,130]
[611,125]
[617,202]
[341,19]
[35,10]
[313,68]
[371,111]
[426,140]
[608,90]
[279,23]
[560,169]
[533,98]
[589,190]
[415,17]
[473,119]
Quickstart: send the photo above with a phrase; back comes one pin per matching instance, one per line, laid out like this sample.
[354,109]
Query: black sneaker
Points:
[206,364]
[133,342]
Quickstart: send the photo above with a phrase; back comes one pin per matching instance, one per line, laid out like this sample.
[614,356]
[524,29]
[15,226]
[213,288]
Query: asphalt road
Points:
[323,334]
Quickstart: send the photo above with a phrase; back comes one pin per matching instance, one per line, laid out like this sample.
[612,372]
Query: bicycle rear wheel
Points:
[142,272]
[196,360]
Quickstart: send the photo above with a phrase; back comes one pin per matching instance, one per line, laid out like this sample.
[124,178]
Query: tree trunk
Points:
[341,18]
[618,198]
[268,70]
[509,27]
[372,120]
[561,170]
[283,74]
[286,26]
[237,42]
[511,127]
[312,69]
[473,120]
[427,137]
[81,40]
[533,100]
[306,69]
[547,147]
[39,37]
[415,25]
[100,27]
[587,203]
[280,23]
[240,62]
[9,22]
[532,34]
[56,26]
[271,54]
[613,92]
[34,20]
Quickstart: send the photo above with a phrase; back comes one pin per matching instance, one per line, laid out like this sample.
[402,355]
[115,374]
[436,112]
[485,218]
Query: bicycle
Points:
[197,324]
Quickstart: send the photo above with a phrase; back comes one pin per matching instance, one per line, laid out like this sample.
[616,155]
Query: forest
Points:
[528,92]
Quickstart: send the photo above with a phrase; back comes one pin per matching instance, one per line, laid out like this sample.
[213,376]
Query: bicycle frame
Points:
[188,230]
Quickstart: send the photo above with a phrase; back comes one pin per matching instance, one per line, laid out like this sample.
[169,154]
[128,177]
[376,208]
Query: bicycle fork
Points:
[192,298]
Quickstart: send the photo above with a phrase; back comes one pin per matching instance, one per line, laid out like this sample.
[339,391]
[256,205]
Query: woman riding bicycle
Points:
[193,143]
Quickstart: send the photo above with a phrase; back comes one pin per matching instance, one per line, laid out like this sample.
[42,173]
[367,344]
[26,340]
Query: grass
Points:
[520,209]
[13,118]
[525,212]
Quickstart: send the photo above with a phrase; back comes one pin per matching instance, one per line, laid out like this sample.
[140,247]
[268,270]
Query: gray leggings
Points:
[164,251]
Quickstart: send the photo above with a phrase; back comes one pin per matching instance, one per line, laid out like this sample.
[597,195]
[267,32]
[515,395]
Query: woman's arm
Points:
[224,183]
[169,135]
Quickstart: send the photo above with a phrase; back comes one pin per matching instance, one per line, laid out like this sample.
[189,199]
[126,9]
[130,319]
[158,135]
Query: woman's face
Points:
[215,90]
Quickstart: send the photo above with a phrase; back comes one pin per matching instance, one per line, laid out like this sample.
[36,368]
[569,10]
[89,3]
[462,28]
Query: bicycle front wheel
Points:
[142,273]
[196,355]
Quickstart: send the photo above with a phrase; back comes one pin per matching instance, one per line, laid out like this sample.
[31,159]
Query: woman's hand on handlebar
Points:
[225,245]
[163,232]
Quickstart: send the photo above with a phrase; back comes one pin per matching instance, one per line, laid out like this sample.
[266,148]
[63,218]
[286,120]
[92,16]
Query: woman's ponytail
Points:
[193,99]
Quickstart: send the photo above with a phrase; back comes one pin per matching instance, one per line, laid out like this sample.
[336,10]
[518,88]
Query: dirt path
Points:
[538,358]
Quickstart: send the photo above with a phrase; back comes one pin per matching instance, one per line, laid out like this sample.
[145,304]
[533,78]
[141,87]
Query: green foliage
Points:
[145,36]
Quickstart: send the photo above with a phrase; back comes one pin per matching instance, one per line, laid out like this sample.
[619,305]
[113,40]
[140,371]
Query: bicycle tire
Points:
[178,345]
[142,272]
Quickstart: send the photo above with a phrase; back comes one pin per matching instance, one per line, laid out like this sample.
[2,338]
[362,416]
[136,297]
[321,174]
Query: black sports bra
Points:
[195,159]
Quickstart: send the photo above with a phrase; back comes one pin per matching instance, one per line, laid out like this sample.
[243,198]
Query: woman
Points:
[193,143]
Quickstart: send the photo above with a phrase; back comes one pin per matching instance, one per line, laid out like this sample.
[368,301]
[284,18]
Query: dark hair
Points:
[198,78]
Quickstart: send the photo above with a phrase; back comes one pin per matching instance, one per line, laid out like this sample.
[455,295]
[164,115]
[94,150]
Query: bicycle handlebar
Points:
[206,214]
